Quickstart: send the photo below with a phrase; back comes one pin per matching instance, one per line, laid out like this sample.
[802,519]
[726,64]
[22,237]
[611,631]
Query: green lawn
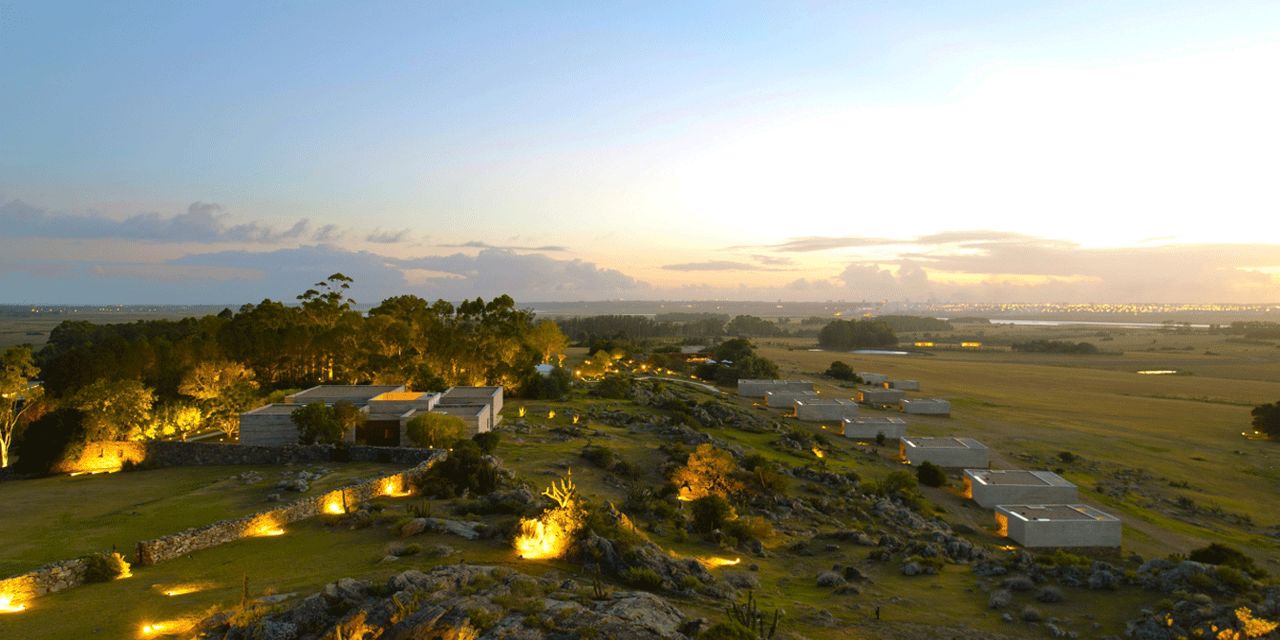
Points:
[61,517]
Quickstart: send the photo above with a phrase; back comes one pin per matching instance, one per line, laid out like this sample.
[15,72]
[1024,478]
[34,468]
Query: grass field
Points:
[1179,435]
[63,517]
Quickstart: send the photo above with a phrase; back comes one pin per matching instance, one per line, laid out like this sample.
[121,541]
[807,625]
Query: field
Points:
[1163,452]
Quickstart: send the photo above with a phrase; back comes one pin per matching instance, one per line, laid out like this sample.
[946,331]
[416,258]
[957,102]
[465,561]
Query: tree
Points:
[546,339]
[1266,418]
[115,409]
[710,512]
[708,471]
[856,334]
[349,416]
[931,475]
[435,430]
[223,390]
[173,419]
[840,371]
[317,422]
[17,394]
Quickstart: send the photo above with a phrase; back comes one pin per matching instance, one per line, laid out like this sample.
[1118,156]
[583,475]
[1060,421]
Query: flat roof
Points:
[826,401]
[875,420]
[943,443]
[398,396]
[274,409]
[1055,512]
[461,409]
[354,393]
[472,392]
[879,389]
[927,400]
[1017,477]
[769,381]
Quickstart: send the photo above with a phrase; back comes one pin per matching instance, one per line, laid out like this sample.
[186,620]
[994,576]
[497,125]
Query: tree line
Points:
[165,378]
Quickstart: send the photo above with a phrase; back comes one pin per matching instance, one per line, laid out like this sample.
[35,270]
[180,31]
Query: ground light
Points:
[550,534]
[333,506]
[389,489]
[712,562]
[7,605]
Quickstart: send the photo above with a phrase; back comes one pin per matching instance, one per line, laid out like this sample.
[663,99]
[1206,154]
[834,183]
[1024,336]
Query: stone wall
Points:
[111,456]
[51,578]
[270,522]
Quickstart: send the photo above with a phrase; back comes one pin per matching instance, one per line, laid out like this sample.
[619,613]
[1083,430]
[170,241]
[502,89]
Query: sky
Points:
[219,153]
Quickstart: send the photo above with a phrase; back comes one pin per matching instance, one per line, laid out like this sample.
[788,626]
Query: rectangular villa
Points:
[954,453]
[387,408]
[879,396]
[867,428]
[905,385]
[1058,525]
[927,406]
[868,377]
[991,487]
[757,388]
[825,409]
[786,399]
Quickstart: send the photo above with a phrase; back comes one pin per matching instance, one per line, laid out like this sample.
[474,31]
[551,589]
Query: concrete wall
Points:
[868,430]
[1060,533]
[879,396]
[825,410]
[949,457]
[785,399]
[259,428]
[927,406]
[872,378]
[905,385]
[991,495]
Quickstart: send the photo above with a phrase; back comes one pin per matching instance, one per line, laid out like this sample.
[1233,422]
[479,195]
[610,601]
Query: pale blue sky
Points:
[638,137]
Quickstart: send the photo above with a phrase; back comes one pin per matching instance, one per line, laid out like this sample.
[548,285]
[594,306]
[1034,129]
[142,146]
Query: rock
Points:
[439,551]
[831,579]
[999,599]
[413,527]
[1031,614]
[388,558]
[460,528]
[912,569]
[742,580]
[1050,594]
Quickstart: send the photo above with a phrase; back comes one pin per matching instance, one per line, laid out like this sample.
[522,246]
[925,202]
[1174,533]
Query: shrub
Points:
[602,457]
[614,386]
[1221,554]
[749,528]
[465,470]
[1019,583]
[770,479]
[710,513]
[931,475]
[642,578]
[840,371]
[104,567]
[436,430]
[487,441]
[728,631]
[1066,457]
[317,422]
[880,439]
[1031,614]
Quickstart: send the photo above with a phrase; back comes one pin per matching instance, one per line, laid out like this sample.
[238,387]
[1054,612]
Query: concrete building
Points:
[1057,525]
[867,428]
[786,399]
[991,487]
[387,408]
[953,453]
[476,416]
[879,396]
[490,397]
[927,406]
[825,409]
[757,388]
[871,378]
[905,385]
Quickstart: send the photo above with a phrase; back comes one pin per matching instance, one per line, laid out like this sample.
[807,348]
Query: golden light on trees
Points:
[521,411]
[575,418]
[819,452]
[551,414]
[550,535]
[708,471]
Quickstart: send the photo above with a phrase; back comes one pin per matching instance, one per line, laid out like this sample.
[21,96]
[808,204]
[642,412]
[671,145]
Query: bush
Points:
[840,371]
[1031,614]
[642,578]
[931,475]
[436,430]
[1050,594]
[728,631]
[614,386]
[465,470]
[52,438]
[1066,457]
[710,513]
[104,567]
[1221,554]
[487,441]
[748,528]
[602,457]
[317,422]
[770,479]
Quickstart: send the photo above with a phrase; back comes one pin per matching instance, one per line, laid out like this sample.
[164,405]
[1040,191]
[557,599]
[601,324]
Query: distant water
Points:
[1092,323]
[880,352]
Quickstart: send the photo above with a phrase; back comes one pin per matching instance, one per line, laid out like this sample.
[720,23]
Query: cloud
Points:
[532,277]
[203,222]
[718,265]
[773,261]
[389,237]
[477,244]
[821,243]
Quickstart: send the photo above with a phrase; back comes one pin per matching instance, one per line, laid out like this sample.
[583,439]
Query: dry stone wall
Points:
[266,522]
[51,578]
[111,456]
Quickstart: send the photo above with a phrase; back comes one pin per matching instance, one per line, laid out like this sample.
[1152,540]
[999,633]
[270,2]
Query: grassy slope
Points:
[62,517]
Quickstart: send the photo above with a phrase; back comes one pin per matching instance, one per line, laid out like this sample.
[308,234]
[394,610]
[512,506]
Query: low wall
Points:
[270,522]
[111,456]
[51,578]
